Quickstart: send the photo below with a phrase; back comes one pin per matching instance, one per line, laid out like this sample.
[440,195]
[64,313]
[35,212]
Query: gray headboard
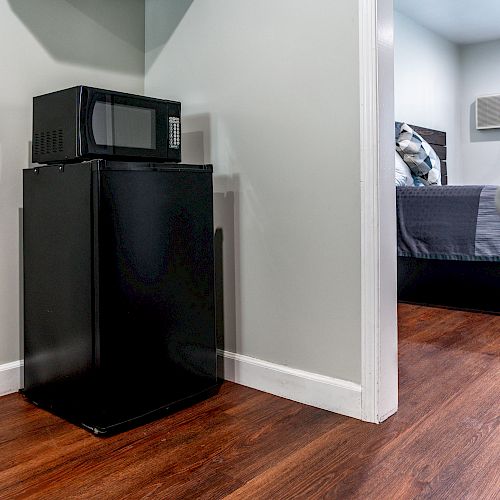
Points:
[437,140]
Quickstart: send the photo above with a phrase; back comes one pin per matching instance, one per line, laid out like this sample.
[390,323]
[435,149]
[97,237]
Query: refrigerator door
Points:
[155,335]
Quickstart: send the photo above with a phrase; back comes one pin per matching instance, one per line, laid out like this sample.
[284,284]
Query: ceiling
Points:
[460,21]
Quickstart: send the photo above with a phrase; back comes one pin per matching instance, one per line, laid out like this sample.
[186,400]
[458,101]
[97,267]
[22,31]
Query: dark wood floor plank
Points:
[178,459]
[87,453]
[433,458]
[104,457]
[443,443]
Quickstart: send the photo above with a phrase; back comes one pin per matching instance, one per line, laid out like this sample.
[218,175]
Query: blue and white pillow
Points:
[403,173]
[419,156]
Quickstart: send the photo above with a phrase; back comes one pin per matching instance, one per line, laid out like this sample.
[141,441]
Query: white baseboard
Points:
[10,377]
[328,393]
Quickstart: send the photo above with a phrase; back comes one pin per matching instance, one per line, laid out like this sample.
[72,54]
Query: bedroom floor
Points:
[443,443]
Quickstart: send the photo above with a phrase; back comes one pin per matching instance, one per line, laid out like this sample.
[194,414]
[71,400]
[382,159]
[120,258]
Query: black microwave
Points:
[84,123]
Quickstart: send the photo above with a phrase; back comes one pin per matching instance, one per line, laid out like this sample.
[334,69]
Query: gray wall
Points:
[427,84]
[44,46]
[438,88]
[480,75]
[277,112]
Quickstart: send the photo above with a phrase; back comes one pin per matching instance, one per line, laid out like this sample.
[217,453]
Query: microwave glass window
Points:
[124,126]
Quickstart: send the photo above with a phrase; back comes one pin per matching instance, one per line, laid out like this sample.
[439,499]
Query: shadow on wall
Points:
[65,29]
[227,282]
[488,135]
[197,137]
[228,306]
[161,26]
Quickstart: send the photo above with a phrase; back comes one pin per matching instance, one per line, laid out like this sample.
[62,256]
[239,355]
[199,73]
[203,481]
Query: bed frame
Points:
[446,283]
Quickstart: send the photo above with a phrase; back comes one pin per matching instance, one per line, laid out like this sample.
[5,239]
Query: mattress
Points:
[448,223]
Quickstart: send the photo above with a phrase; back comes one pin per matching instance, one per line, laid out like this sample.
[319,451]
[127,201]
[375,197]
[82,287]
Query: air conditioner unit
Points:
[488,112]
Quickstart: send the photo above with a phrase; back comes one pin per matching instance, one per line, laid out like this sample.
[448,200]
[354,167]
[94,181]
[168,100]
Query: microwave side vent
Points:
[48,142]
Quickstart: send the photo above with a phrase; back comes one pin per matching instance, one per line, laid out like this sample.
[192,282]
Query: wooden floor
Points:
[443,443]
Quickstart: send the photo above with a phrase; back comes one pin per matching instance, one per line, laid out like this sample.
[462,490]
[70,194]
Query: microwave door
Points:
[121,126]
[103,124]
[127,127]
[98,126]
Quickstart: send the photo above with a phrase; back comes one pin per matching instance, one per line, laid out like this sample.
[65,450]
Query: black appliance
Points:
[84,123]
[118,290]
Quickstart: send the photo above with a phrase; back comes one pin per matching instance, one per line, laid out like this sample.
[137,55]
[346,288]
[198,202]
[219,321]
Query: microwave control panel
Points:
[174,135]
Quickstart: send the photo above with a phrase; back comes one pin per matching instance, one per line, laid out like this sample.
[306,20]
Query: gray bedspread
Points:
[448,222]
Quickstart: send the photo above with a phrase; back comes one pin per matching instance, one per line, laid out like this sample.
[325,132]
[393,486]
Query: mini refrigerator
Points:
[119,317]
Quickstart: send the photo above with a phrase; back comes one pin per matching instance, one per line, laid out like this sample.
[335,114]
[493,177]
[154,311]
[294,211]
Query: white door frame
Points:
[379,377]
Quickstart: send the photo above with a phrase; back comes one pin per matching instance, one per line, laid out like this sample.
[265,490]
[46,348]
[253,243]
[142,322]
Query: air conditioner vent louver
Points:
[488,112]
[48,142]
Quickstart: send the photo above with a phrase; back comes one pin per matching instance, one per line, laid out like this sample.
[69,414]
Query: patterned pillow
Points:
[403,177]
[419,156]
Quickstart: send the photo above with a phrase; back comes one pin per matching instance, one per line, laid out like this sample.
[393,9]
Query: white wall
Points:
[427,85]
[480,75]
[270,94]
[46,46]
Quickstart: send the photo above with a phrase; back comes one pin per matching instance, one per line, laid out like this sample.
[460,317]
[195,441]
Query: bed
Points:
[448,241]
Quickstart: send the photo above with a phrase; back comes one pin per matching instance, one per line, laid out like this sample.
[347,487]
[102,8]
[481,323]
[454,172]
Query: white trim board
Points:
[10,377]
[328,393]
[339,396]
[379,377]
[369,207]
